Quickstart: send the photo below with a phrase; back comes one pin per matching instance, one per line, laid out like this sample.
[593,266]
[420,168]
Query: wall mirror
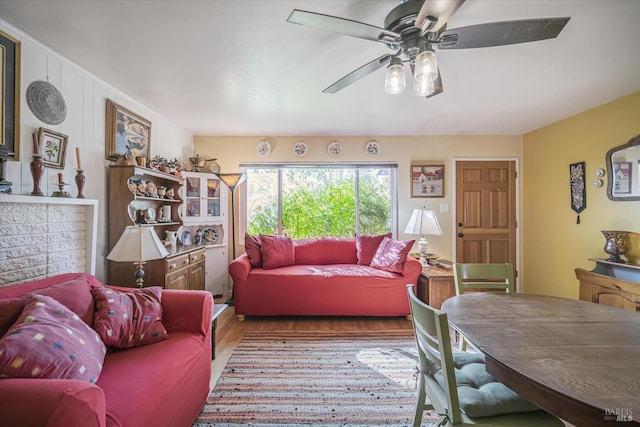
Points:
[623,171]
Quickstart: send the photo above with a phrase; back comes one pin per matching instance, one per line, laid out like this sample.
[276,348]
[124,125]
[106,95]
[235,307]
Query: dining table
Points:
[578,360]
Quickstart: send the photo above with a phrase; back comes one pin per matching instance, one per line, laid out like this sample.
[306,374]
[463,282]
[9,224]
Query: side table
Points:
[435,285]
[217,311]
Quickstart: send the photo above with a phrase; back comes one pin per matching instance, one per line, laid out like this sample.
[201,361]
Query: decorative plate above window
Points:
[334,149]
[264,148]
[372,148]
[300,149]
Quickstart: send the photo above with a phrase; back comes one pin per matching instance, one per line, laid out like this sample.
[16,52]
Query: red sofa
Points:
[161,384]
[325,280]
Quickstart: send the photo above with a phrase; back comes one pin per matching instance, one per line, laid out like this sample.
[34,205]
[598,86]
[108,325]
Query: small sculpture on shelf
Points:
[151,190]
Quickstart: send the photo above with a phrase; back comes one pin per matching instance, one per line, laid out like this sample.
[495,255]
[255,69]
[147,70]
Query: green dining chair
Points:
[482,276]
[457,385]
[485,276]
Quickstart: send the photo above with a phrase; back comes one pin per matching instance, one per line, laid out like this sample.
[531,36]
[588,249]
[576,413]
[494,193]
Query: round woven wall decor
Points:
[46,102]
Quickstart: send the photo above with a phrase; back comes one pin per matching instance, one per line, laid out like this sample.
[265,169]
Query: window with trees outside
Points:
[314,200]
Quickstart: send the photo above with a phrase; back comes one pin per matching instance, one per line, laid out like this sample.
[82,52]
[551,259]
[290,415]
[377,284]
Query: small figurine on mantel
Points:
[151,190]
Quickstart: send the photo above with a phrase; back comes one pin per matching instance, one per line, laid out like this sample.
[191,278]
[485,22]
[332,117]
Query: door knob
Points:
[460,235]
[459,224]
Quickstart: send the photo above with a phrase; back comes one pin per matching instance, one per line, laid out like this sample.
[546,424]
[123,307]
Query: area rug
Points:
[320,378]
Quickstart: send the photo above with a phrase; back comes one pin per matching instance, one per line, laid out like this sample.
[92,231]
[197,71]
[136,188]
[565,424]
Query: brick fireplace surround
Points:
[45,236]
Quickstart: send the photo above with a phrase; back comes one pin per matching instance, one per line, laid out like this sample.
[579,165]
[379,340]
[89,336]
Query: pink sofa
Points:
[324,280]
[160,384]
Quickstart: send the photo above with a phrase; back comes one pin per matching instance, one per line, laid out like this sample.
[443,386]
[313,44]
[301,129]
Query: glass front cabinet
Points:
[204,198]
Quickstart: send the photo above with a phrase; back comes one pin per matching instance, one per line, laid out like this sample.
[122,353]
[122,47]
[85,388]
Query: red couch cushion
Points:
[277,251]
[367,245]
[325,250]
[253,248]
[10,310]
[129,319]
[391,254]
[50,341]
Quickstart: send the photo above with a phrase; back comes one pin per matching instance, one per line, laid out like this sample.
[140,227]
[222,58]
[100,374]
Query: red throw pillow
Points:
[73,294]
[253,248]
[277,251]
[50,341]
[128,319]
[391,255]
[367,245]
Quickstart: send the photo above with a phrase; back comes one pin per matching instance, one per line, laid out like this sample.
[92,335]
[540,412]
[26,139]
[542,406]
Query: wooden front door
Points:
[486,212]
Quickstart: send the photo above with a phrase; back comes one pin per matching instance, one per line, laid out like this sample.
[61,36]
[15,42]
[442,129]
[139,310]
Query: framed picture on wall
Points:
[622,177]
[427,180]
[126,132]
[10,100]
[53,147]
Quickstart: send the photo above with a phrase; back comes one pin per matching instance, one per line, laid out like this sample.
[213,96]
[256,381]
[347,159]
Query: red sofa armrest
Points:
[44,402]
[239,269]
[187,311]
[411,270]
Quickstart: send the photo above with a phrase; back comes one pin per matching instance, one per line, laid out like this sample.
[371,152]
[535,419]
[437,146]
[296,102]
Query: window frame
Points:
[242,190]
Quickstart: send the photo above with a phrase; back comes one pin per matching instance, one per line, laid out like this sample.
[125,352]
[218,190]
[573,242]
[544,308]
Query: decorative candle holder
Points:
[80,181]
[615,244]
[37,169]
[61,192]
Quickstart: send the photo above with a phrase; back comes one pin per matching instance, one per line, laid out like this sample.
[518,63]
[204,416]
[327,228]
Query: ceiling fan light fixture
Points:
[426,65]
[394,77]
[423,87]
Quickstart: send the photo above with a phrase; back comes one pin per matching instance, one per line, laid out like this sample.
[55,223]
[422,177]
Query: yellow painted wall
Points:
[553,244]
[233,150]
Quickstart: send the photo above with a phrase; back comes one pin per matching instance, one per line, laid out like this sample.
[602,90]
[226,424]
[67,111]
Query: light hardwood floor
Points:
[229,332]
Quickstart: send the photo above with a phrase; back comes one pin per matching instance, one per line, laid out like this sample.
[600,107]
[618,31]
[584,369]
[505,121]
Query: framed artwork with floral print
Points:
[53,147]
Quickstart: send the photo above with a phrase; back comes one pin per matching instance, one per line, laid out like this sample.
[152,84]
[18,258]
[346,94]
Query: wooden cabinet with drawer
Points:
[186,270]
[613,284]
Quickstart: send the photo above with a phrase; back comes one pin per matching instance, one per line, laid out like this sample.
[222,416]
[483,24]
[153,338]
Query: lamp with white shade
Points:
[138,244]
[423,222]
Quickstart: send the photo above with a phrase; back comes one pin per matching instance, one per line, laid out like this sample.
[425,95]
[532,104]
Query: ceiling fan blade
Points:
[361,72]
[435,13]
[437,84]
[502,33]
[344,26]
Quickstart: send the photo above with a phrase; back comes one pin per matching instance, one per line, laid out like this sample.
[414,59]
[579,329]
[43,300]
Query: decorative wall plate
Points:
[334,149]
[300,149]
[372,148]
[264,148]
[187,166]
[212,166]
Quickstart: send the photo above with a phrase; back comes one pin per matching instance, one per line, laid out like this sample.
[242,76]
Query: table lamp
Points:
[138,244]
[232,180]
[422,222]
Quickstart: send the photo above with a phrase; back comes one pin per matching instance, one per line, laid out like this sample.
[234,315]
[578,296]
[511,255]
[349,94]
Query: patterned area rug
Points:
[321,378]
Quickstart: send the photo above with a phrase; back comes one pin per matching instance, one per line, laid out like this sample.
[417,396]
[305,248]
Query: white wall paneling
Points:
[85,96]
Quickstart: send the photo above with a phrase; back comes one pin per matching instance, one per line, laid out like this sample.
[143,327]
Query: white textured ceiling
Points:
[239,68]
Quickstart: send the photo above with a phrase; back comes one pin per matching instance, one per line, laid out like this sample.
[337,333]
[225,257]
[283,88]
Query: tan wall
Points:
[233,150]
[553,244]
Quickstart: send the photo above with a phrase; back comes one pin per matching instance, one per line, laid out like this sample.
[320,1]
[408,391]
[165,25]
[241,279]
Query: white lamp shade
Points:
[423,222]
[138,244]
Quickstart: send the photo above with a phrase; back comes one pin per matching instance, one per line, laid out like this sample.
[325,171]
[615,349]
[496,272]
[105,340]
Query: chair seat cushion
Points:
[480,394]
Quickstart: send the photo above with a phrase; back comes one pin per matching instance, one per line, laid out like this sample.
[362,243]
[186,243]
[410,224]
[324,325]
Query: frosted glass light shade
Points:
[423,87]
[426,66]
[394,78]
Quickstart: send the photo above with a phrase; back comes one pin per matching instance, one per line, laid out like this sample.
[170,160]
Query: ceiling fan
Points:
[413,29]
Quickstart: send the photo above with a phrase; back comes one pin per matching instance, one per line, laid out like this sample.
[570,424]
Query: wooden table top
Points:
[575,359]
